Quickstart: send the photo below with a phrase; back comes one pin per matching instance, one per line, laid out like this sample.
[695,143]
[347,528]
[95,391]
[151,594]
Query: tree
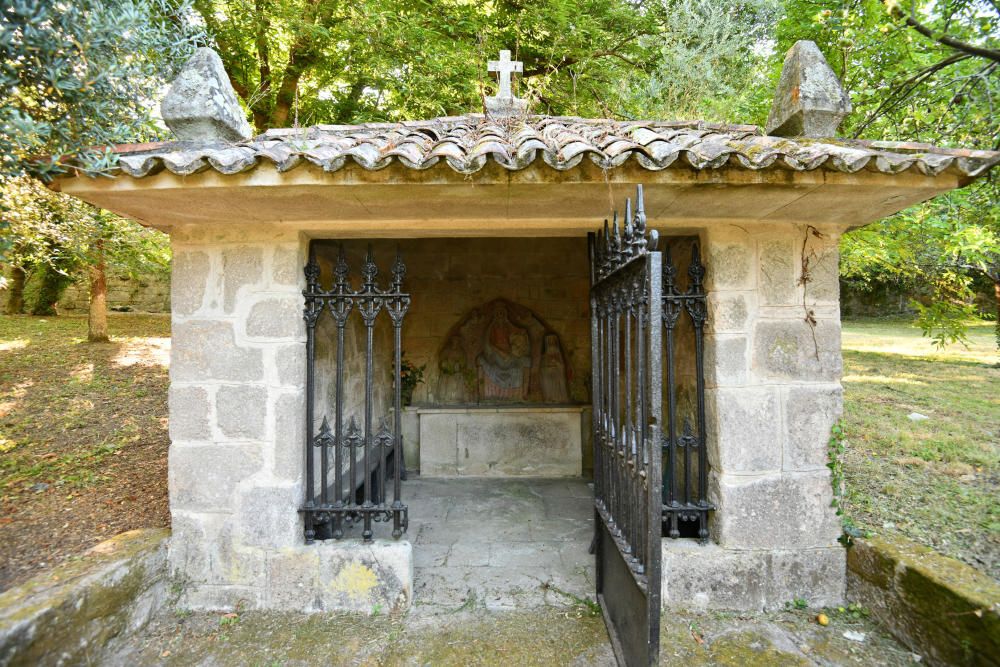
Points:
[79,76]
[325,61]
[53,237]
[918,72]
[75,78]
[710,61]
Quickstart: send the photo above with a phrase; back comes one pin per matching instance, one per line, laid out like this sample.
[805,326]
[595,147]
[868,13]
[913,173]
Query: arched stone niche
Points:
[502,353]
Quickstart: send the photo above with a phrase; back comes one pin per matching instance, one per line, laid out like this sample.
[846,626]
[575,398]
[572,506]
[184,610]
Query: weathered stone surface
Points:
[809,414]
[411,438]
[290,362]
[823,285]
[241,267]
[809,101]
[202,551]
[367,578]
[188,276]
[727,313]
[539,442]
[289,420]
[207,350]
[727,360]
[744,429]
[814,575]
[286,266]
[201,104]
[795,350]
[268,517]
[940,607]
[240,411]
[777,278]
[708,576]
[63,617]
[787,510]
[189,408]
[730,265]
[204,477]
[276,318]
[345,575]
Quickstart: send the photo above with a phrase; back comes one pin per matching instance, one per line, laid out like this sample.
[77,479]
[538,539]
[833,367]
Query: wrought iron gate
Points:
[626,355]
[359,457]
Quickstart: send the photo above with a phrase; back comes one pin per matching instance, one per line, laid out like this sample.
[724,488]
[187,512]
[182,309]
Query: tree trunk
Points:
[97,322]
[15,291]
[51,286]
[996,295]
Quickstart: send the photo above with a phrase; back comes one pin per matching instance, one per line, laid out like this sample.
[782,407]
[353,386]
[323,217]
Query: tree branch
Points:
[958,45]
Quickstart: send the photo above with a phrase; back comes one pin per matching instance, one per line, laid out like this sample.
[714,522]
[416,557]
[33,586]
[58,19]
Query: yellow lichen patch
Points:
[355,580]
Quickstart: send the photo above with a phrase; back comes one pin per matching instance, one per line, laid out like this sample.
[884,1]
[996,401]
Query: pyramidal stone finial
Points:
[201,104]
[809,102]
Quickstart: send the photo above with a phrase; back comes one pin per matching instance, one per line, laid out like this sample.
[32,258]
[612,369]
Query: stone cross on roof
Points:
[505,104]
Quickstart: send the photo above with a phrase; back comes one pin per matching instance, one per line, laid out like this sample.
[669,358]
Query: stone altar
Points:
[528,441]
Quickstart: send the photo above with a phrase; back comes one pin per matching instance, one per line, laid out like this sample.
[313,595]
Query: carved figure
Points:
[554,389]
[453,387]
[505,357]
[501,353]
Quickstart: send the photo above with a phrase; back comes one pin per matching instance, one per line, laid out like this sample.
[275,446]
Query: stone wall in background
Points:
[147,294]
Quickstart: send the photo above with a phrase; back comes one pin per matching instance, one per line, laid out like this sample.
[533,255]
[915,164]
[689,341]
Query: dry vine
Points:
[805,278]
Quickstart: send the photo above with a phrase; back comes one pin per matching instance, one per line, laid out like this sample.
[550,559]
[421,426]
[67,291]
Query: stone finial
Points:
[201,104]
[505,104]
[809,102]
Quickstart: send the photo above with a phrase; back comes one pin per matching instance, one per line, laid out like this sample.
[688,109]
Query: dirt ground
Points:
[83,436]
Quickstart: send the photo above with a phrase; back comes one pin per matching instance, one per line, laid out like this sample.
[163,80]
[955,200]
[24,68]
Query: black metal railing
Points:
[627,367]
[360,456]
[685,466]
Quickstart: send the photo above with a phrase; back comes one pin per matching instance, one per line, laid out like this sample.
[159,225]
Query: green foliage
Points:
[409,377]
[926,72]
[331,62]
[710,62]
[77,75]
[52,236]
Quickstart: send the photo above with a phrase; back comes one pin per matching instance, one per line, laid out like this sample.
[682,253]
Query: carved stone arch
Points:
[502,352]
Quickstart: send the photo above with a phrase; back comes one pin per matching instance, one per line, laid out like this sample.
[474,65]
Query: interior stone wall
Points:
[450,277]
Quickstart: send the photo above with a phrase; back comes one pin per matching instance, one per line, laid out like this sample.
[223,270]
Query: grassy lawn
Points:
[83,436]
[936,481]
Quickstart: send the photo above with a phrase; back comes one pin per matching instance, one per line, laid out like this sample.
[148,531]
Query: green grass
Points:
[935,481]
[66,405]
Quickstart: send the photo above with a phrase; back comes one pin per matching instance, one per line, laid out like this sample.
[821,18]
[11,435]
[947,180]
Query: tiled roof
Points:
[467,143]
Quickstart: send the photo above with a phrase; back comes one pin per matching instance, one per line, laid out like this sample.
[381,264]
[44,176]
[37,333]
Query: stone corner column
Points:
[773,392]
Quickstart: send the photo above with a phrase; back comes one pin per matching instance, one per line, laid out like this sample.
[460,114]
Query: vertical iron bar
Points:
[653,480]
[312,274]
[397,445]
[629,460]
[366,533]
[338,482]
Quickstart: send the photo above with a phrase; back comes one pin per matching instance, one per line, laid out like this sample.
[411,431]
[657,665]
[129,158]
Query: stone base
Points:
[710,577]
[345,575]
[501,442]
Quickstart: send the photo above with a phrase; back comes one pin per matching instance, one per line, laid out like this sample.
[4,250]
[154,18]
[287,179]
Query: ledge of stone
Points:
[68,615]
[707,576]
[941,608]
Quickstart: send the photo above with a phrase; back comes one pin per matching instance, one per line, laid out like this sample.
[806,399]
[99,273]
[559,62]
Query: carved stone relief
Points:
[501,352]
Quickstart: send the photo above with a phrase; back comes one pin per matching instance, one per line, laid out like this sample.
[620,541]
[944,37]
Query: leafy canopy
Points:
[77,75]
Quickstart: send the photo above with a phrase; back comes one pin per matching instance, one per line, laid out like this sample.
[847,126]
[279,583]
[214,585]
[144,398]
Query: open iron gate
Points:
[626,331]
